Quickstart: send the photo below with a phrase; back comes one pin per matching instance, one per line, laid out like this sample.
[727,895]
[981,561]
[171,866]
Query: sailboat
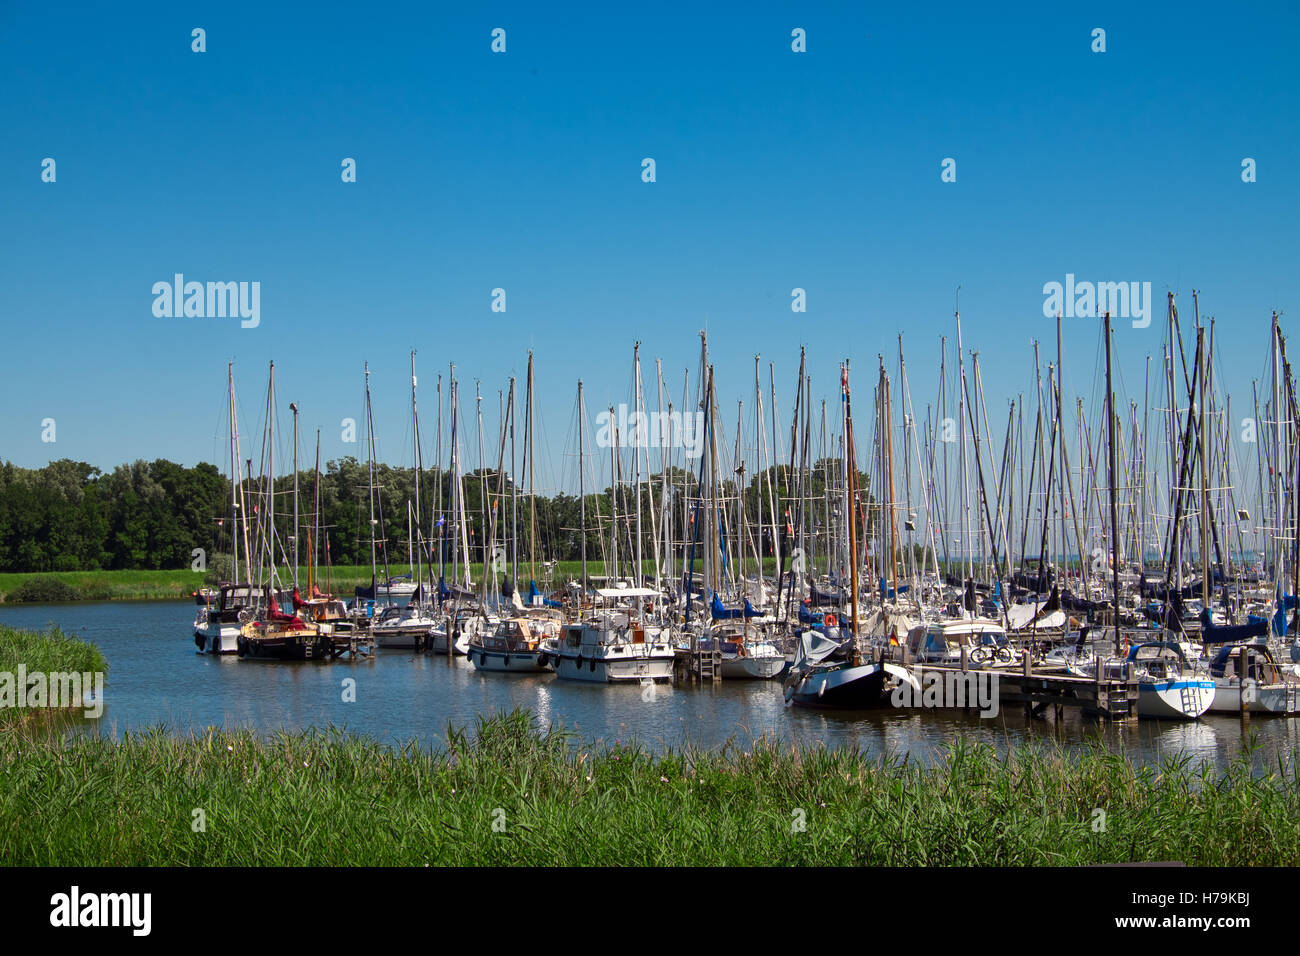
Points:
[412,626]
[217,623]
[328,612]
[618,638]
[272,633]
[829,669]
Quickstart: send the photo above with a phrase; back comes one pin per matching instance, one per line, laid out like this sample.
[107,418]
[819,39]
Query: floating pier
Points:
[1040,687]
[353,645]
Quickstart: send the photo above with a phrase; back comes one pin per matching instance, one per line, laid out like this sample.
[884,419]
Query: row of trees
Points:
[70,516]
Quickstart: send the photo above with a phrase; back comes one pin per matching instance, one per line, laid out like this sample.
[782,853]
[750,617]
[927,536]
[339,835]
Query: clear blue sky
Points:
[477,170]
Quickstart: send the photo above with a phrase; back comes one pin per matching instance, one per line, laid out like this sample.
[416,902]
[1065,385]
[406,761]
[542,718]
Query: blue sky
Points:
[522,171]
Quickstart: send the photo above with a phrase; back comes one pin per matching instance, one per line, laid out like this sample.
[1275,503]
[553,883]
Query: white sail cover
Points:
[813,648]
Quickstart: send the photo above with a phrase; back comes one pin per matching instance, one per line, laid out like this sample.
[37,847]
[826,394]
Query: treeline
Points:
[70,516]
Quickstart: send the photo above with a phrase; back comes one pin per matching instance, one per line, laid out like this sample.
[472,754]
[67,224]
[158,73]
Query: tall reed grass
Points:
[508,792]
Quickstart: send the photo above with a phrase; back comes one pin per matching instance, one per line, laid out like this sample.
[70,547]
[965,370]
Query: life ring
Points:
[831,621]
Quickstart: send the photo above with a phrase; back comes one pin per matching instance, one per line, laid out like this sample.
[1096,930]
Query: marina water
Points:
[155,678]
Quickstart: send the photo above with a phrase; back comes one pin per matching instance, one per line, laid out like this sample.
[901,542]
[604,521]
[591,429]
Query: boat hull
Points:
[402,639]
[1269,699]
[287,647]
[613,670]
[438,643]
[513,662]
[217,639]
[753,668]
[851,688]
[1176,699]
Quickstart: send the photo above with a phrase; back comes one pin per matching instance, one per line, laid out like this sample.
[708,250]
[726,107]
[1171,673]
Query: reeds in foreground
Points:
[511,793]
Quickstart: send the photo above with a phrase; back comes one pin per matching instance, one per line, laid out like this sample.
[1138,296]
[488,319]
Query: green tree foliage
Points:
[69,516]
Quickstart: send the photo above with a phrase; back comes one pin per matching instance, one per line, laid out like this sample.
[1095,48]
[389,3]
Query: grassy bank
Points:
[55,586]
[328,799]
[49,652]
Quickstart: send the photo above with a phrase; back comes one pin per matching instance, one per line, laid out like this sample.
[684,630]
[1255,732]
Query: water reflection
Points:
[155,677]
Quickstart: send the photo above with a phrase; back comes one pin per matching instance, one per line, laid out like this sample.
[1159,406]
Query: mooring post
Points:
[1100,666]
[1243,665]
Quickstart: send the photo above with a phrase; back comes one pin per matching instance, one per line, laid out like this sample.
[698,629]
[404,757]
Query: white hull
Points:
[517,662]
[752,668]
[606,670]
[1175,700]
[1269,699]
[438,643]
[217,639]
[400,640]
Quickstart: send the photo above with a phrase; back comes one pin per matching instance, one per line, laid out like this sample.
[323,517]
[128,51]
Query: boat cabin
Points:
[1260,665]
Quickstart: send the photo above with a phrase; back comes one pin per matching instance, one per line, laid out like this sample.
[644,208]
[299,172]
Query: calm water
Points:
[156,678]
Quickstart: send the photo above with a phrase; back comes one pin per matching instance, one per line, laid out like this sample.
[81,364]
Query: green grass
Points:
[49,652]
[323,798]
[53,586]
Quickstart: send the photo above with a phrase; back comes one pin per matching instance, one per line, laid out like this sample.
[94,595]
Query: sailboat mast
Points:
[851,460]
[1113,469]
[639,427]
[293,407]
[582,492]
[314,541]
[1206,571]
[235,483]
[419,478]
[270,497]
[514,494]
[370,465]
[530,454]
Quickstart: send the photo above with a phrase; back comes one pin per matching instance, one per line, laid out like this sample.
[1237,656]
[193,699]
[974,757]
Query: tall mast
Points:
[370,465]
[514,496]
[1279,556]
[636,458]
[293,407]
[582,493]
[1113,470]
[613,495]
[419,478]
[235,483]
[665,441]
[529,455]
[270,497]
[1206,570]
[961,435]
[482,475]
[314,539]
[851,459]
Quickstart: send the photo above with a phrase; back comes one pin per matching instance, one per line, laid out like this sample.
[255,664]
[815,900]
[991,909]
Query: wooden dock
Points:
[353,645]
[1038,687]
[697,666]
